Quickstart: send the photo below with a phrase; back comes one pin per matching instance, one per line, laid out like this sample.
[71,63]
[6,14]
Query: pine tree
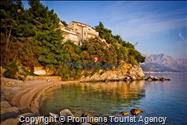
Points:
[47,35]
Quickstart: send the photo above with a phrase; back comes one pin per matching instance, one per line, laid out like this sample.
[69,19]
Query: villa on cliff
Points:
[77,32]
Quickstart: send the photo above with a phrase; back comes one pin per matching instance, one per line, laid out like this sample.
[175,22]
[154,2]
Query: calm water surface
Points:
[167,98]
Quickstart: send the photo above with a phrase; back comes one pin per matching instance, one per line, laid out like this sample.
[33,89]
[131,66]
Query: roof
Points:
[83,24]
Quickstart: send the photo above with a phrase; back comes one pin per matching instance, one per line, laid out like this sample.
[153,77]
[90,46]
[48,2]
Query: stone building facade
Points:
[77,32]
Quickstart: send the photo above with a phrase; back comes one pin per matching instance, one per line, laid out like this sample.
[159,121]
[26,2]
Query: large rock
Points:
[7,113]
[156,78]
[66,112]
[125,72]
[136,111]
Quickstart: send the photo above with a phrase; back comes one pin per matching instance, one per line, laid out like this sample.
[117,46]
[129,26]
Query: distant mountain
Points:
[164,63]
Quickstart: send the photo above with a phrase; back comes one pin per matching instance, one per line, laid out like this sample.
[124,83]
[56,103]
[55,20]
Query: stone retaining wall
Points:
[54,78]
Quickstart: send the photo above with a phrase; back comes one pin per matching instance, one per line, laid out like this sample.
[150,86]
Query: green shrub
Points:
[16,71]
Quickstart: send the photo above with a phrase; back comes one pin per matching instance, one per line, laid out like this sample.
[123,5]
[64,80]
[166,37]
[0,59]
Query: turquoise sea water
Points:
[167,99]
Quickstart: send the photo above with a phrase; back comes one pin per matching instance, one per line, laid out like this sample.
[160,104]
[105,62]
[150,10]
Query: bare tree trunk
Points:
[6,46]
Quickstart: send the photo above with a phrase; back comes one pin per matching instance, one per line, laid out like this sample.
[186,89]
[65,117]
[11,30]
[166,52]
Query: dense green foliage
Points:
[16,70]
[34,32]
[32,37]
[124,50]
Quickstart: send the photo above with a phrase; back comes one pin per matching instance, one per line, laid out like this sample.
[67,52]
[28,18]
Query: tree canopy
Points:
[32,37]
[124,50]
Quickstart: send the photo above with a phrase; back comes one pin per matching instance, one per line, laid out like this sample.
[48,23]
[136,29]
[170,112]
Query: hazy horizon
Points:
[154,27]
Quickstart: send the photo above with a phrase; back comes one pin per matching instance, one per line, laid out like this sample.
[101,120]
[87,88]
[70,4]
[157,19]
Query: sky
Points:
[154,27]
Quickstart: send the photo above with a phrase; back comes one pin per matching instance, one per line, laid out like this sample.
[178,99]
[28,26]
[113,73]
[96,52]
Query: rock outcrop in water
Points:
[126,72]
[156,78]
[136,111]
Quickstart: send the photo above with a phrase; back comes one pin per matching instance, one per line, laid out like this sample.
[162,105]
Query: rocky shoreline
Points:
[25,97]
[156,78]
[20,97]
[125,72]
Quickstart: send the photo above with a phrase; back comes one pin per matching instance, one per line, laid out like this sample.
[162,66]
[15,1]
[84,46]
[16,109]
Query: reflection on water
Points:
[168,99]
[98,98]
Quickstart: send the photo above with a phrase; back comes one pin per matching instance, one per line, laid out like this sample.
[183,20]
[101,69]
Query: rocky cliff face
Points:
[126,72]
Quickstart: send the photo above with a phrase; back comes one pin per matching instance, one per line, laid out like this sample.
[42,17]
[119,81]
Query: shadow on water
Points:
[96,98]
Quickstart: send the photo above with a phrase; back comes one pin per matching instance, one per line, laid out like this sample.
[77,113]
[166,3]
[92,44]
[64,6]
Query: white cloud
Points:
[142,27]
[141,23]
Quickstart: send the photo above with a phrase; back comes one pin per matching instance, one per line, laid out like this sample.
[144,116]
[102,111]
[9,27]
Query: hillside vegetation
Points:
[31,37]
